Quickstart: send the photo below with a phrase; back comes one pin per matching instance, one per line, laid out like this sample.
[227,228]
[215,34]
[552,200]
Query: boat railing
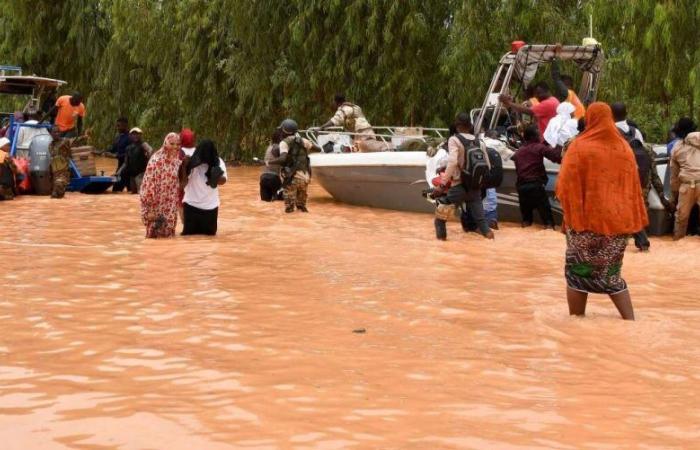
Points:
[387,134]
[10,70]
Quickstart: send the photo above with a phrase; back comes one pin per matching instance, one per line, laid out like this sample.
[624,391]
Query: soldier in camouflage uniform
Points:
[296,166]
[353,120]
[60,151]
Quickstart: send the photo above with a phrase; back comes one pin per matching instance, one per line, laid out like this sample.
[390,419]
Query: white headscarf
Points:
[562,127]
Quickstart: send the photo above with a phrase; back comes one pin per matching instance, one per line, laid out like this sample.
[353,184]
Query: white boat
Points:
[396,179]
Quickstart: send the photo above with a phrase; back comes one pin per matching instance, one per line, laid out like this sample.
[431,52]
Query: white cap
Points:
[136,130]
[4,141]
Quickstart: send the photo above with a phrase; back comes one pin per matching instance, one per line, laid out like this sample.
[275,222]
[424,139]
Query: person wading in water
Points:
[599,191]
[159,189]
[296,166]
[457,193]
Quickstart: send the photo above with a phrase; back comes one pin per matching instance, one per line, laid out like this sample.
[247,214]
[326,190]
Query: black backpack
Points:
[483,168]
[641,155]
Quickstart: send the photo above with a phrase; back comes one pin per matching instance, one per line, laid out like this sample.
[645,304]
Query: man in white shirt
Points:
[204,172]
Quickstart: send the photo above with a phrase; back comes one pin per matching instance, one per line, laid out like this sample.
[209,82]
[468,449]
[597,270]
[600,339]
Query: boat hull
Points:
[395,180]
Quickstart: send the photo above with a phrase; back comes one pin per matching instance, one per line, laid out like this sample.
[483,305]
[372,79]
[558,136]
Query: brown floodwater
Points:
[246,341]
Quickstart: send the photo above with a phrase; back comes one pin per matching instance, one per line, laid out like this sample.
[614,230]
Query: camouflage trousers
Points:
[60,183]
[296,193]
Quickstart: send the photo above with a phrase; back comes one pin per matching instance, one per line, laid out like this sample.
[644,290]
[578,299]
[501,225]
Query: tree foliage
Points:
[232,69]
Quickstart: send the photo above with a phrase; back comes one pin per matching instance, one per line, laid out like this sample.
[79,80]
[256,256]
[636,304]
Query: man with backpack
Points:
[462,175]
[646,165]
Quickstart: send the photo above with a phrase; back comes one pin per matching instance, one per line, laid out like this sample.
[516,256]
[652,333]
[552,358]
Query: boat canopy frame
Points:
[27,84]
[523,66]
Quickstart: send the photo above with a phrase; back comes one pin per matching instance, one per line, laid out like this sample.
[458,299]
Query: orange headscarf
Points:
[598,184]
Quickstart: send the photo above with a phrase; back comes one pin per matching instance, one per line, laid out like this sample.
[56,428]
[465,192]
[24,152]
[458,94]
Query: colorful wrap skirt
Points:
[594,262]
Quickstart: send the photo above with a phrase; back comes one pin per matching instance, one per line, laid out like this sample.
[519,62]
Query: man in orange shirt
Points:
[70,114]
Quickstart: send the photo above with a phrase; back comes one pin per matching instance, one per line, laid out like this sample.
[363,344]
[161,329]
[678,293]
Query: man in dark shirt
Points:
[118,149]
[135,161]
[532,177]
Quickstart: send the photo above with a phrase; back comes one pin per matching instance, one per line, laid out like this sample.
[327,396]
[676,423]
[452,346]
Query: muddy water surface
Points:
[246,341]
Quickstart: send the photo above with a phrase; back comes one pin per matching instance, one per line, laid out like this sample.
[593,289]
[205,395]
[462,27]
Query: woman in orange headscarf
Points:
[598,187]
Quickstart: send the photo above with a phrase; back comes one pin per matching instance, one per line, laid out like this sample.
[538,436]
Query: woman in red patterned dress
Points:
[159,189]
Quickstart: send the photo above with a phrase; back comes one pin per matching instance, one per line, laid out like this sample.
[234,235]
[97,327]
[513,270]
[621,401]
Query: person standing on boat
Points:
[296,166]
[685,180]
[543,111]
[159,190]
[70,112]
[564,86]
[563,127]
[599,191]
[353,120]
[457,194]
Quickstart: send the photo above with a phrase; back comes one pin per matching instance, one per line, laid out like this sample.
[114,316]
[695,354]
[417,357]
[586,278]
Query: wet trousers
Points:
[60,183]
[135,183]
[641,241]
[296,193]
[473,211]
[533,196]
[688,196]
[491,206]
[270,184]
[123,181]
[199,221]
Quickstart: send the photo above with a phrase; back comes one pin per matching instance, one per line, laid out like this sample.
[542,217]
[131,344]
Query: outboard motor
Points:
[40,164]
